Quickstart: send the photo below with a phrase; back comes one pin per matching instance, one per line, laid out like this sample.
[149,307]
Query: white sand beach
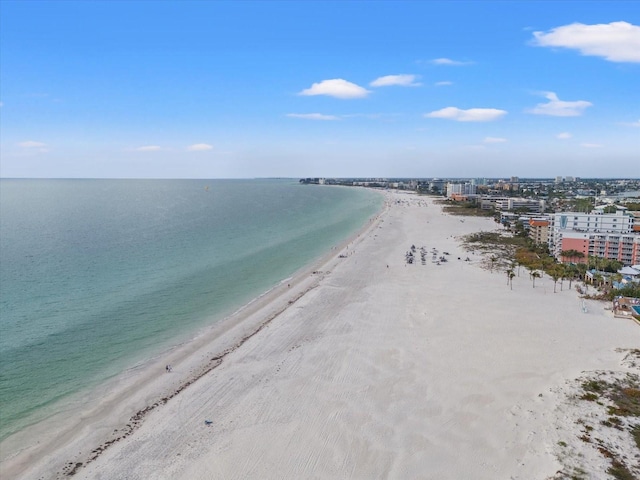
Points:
[365,367]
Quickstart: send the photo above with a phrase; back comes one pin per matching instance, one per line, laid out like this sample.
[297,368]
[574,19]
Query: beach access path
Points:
[375,368]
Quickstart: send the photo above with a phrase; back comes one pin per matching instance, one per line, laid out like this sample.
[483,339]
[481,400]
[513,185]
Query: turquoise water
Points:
[636,309]
[96,275]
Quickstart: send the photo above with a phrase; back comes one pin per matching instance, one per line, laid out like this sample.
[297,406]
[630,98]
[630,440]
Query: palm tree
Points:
[594,262]
[493,261]
[518,264]
[535,274]
[571,272]
[570,254]
[564,273]
[554,273]
[598,279]
[509,271]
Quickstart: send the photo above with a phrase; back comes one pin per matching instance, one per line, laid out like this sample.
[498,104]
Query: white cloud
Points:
[399,80]
[199,147]
[32,144]
[494,140]
[33,148]
[631,124]
[615,41]
[591,145]
[337,88]
[148,148]
[443,84]
[470,115]
[312,116]
[448,61]
[563,135]
[559,108]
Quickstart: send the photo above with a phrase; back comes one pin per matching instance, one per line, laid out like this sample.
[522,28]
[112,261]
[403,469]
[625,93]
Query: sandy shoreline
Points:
[367,368]
[103,415]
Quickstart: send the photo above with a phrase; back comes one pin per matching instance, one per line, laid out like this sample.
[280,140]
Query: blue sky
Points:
[296,89]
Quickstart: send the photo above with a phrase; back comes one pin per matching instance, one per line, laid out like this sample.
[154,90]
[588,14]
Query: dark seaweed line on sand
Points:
[71,468]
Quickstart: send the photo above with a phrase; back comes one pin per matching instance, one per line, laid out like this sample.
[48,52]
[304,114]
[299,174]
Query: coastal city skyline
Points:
[322,89]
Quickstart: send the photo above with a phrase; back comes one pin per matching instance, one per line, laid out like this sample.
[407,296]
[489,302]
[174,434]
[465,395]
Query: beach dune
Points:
[367,367]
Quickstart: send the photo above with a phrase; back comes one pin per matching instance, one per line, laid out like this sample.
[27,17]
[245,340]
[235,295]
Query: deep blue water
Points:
[96,275]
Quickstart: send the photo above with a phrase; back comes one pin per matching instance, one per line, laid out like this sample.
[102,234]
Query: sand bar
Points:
[367,368]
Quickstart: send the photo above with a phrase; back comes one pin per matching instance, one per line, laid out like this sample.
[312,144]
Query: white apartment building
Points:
[607,235]
[596,221]
[510,203]
[467,188]
[504,204]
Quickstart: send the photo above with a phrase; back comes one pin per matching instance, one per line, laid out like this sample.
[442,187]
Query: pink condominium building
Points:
[615,236]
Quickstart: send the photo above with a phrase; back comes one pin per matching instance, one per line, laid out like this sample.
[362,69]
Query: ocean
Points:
[98,275]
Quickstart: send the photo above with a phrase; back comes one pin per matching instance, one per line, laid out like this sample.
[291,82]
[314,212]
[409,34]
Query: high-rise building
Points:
[615,236]
[437,186]
[460,189]
[539,230]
